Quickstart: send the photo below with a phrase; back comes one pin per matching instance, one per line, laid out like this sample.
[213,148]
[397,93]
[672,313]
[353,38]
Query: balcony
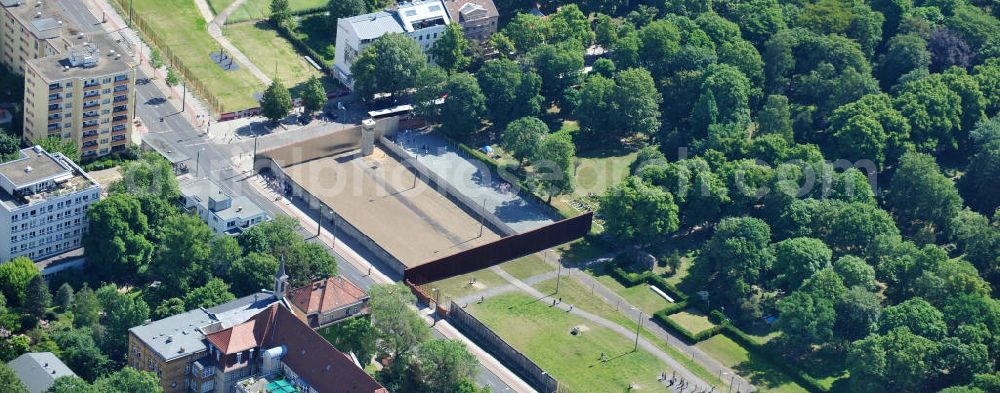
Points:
[118,109]
[87,115]
[91,84]
[90,144]
[121,82]
[92,127]
[117,138]
[55,101]
[55,120]
[56,89]
[92,136]
[92,93]
[92,105]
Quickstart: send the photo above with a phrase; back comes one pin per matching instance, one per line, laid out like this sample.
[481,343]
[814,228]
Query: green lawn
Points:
[459,286]
[316,32]
[181,28]
[757,370]
[543,334]
[271,52]
[692,320]
[261,9]
[527,267]
[639,295]
[218,5]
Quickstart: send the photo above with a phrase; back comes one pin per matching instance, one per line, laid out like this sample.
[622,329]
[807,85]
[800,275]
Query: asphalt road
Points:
[216,165]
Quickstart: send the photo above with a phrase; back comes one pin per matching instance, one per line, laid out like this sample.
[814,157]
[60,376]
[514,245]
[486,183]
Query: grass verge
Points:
[757,370]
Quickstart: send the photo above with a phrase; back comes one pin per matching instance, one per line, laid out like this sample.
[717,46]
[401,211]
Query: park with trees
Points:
[821,173]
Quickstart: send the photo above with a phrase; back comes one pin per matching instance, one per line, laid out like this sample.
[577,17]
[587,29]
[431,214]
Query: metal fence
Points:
[486,338]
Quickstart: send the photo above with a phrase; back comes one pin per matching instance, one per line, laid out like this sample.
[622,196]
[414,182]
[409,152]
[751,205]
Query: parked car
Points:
[305,119]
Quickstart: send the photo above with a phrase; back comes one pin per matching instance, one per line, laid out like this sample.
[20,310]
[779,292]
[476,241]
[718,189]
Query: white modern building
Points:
[43,204]
[222,212]
[424,21]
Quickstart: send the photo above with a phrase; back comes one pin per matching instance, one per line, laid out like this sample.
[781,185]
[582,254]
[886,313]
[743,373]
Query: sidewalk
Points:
[197,111]
[360,264]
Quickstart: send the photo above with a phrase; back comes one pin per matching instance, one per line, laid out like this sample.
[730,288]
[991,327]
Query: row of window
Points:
[48,250]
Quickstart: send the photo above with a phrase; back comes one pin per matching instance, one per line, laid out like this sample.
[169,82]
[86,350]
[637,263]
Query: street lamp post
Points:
[637,327]
[558,274]
[197,164]
[437,302]
[319,221]
[184,96]
[731,383]
[482,218]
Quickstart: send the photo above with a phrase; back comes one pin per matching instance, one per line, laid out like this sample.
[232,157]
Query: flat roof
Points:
[33,167]
[111,59]
[204,189]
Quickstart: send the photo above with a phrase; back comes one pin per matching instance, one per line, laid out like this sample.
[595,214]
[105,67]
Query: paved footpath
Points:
[215,30]
[623,306]
[645,344]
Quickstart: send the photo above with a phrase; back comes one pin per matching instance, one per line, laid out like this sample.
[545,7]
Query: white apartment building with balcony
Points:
[43,204]
[424,21]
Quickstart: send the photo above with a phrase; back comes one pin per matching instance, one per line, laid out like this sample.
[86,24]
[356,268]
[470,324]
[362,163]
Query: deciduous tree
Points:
[15,275]
[523,137]
[389,65]
[462,110]
[449,50]
[314,96]
[277,102]
[636,212]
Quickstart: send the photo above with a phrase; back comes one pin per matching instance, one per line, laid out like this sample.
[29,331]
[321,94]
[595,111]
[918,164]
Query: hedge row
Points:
[303,12]
[301,46]
[798,375]
[495,168]
[663,318]
[629,279]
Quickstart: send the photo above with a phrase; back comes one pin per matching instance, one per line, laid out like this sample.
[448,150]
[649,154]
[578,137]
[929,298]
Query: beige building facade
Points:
[78,86]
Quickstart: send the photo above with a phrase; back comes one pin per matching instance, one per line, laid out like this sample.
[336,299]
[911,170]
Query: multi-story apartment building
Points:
[43,204]
[78,86]
[424,21]
[29,30]
[477,17]
[251,344]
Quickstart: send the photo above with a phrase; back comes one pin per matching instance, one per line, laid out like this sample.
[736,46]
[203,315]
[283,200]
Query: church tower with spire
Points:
[280,281]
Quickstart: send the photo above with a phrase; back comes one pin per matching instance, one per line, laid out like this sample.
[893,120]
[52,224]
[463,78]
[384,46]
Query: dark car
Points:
[305,119]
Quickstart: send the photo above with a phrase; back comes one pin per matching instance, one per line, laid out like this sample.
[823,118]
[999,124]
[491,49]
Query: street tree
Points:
[635,212]
[353,335]
[399,330]
[389,65]
[449,50]
[441,365]
[277,102]
[314,96]
[523,137]
[172,79]
[431,87]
